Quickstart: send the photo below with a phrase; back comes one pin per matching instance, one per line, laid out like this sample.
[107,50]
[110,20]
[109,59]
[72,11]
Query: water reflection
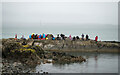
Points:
[96,63]
[64,64]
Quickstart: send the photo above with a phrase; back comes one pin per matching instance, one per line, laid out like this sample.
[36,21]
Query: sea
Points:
[96,63]
[104,33]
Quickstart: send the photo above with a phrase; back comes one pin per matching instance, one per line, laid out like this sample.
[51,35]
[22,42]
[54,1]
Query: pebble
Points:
[15,67]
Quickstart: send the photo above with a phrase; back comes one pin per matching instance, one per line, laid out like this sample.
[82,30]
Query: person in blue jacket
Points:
[43,36]
[39,36]
[30,36]
[53,38]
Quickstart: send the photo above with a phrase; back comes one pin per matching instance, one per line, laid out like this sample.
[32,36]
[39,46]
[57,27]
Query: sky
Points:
[61,16]
[60,0]
[53,13]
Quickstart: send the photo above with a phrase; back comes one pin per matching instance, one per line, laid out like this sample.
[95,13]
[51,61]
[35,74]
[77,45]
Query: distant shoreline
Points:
[112,41]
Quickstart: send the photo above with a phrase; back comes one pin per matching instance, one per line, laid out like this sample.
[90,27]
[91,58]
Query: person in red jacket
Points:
[96,38]
[15,36]
[32,36]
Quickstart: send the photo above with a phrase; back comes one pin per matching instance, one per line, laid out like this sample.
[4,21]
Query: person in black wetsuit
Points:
[36,36]
[58,38]
[74,38]
[87,37]
[62,36]
[82,36]
[77,37]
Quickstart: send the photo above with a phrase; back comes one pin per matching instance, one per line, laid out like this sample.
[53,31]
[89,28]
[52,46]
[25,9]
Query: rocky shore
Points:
[77,45]
[22,56]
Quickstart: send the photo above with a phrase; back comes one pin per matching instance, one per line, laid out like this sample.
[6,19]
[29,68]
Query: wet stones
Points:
[66,58]
[15,67]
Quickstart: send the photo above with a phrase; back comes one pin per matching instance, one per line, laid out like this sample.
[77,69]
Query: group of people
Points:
[77,37]
[59,37]
[21,37]
[40,36]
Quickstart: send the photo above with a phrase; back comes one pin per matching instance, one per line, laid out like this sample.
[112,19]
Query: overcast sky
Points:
[68,17]
[59,13]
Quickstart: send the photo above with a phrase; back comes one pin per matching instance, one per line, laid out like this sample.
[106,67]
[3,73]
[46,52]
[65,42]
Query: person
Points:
[70,37]
[58,38]
[51,35]
[30,36]
[36,36]
[43,36]
[33,36]
[46,38]
[62,36]
[82,36]
[46,35]
[40,36]
[87,37]
[53,38]
[15,36]
[22,37]
[96,38]
[77,37]
[74,38]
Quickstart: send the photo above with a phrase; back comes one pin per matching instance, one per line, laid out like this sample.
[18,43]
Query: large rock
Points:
[76,45]
[28,54]
[63,58]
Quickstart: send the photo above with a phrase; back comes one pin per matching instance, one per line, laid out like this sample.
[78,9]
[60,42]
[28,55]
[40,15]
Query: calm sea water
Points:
[96,63]
[105,33]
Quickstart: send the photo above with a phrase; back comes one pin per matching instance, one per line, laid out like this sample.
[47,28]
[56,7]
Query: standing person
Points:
[70,37]
[43,36]
[62,36]
[53,38]
[82,36]
[96,38]
[58,37]
[15,36]
[22,37]
[40,36]
[87,37]
[77,37]
[74,38]
[30,36]
[33,36]
[46,37]
[36,36]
